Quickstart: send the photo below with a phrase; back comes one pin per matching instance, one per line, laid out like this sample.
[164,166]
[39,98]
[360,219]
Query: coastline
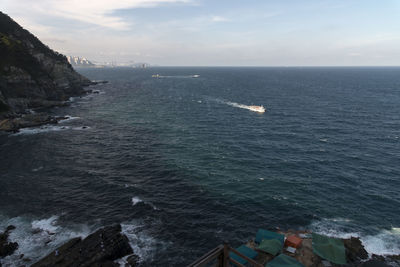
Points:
[109,246]
[300,248]
[35,115]
[103,247]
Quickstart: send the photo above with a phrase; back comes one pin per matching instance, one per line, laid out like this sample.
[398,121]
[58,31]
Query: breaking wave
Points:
[38,237]
[68,118]
[142,243]
[136,200]
[48,128]
[384,242]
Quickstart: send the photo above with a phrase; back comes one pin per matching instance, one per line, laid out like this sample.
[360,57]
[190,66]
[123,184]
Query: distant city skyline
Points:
[217,33]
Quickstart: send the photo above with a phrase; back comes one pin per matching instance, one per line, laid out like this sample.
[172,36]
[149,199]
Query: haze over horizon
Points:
[220,33]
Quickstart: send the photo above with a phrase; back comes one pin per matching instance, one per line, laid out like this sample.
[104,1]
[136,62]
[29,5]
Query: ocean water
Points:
[183,165]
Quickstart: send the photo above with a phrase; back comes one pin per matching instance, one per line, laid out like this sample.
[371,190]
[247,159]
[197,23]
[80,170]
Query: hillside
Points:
[31,74]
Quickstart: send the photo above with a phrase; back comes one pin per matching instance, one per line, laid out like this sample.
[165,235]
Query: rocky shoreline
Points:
[102,248]
[356,254]
[31,117]
[108,247]
[33,77]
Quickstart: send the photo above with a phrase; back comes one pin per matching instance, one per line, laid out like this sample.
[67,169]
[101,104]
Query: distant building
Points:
[79,62]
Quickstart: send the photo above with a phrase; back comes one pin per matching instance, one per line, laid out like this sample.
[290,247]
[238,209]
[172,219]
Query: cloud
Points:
[32,26]
[354,54]
[97,12]
[218,19]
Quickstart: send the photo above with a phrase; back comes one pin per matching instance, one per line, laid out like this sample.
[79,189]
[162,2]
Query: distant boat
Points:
[259,109]
[155,75]
[195,76]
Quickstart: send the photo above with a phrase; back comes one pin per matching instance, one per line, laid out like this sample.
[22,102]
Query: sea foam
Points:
[38,237]
[68,118]
[384,242]
[48,128]
[142,243]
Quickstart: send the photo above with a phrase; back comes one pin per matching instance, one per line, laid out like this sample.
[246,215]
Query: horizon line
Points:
[266,66]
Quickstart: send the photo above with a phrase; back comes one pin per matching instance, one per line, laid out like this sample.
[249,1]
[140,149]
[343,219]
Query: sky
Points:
[217,32]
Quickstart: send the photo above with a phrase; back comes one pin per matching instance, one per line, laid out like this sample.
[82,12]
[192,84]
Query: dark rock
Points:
[374,263]
[10,228]
[382,261]
[355,251]
[378,257]
[36,231]
[7,248]
[133,260]
[100,248]
[394,257]
[109,264]
[28,120]
[393,260]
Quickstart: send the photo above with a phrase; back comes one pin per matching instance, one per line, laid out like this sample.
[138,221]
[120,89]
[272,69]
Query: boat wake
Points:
[259,109]
[175,76]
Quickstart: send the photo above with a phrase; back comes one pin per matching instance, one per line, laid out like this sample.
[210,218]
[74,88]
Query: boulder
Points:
[355,251]
[10,228]
[100,248]
[6,247]
[132,260]
[374,263]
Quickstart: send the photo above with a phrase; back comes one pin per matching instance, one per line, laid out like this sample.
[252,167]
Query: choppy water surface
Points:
[182,169]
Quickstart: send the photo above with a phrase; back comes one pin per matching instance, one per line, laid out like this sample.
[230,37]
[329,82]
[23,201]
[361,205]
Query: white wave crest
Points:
[37,169]
[79,128]
[68,118]
[136,200]
[41,129]
[49,225]
[386,242]
[48,128]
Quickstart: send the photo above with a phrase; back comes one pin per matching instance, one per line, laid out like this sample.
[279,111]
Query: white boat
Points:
[155,75]
[259,109]
[195,76]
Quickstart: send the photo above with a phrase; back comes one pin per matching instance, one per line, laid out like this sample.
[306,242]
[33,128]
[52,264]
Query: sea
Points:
[183,164]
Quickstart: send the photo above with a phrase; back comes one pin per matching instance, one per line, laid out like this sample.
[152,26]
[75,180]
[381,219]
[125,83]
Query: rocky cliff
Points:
[31,74]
